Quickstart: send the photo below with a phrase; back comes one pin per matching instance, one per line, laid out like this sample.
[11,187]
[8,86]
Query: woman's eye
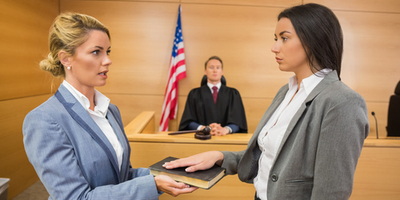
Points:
[96,52]
[108,52]
[284,38]
[275,39]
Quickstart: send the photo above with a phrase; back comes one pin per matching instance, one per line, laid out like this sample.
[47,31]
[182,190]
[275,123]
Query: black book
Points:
[203,179]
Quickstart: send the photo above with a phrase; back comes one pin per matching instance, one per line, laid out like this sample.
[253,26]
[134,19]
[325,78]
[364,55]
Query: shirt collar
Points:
[310,82]
[211,86]
[101,101]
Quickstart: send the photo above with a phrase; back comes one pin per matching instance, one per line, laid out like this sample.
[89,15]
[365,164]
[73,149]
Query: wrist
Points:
[228,129]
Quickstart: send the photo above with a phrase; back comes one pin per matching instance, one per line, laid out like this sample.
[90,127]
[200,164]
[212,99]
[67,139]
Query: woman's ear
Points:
[64,58]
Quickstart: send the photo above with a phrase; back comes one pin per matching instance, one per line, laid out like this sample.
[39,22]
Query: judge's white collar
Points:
[211,86]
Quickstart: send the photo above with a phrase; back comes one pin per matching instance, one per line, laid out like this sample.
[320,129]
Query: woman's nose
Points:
[107,61]
[275,48]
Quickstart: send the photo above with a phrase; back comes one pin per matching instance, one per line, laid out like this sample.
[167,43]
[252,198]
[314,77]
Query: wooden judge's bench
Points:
[377,174]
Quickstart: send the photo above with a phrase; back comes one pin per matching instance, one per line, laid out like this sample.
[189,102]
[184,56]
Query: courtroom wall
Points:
[24,26]
[241,33]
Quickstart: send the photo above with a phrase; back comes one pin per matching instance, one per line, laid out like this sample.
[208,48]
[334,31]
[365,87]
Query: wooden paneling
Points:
[23,36]
[145,154]
[242,37]
[381,114]
[271,3]
[131,106]
[240,32]
[361,5]
[14,163]
[377,175]
[165,1]
[142,35]
[371,55]
[141,41]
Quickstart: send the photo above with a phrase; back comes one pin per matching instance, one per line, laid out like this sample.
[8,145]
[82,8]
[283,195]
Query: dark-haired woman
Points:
[308,142]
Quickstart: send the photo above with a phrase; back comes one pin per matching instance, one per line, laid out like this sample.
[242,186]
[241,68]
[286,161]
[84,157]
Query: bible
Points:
[203,179]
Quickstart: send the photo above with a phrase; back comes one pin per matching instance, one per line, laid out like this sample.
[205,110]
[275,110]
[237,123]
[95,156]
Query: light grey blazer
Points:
[75,160]
[320,149]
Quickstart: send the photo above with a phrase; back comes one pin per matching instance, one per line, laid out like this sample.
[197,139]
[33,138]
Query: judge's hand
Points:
[171,187]
[217,129]
[196,162]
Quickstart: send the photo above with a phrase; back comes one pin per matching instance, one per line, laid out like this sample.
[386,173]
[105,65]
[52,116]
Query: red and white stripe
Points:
[177,71]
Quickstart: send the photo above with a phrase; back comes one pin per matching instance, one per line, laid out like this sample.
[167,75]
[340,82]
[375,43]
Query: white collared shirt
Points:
[270,137]
[99,116]
[211,86]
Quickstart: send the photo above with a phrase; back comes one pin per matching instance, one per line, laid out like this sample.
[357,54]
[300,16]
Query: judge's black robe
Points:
[200,108]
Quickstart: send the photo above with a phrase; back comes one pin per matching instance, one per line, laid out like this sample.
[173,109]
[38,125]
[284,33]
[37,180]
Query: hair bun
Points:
[52,66]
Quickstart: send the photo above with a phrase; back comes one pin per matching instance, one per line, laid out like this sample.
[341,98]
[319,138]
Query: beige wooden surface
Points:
[14,163]
[376,176]
[24,27]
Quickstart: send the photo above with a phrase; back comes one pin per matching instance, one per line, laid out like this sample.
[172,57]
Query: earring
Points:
[69,68]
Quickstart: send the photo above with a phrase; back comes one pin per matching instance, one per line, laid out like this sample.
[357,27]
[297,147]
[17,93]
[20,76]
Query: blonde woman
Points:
[75,140]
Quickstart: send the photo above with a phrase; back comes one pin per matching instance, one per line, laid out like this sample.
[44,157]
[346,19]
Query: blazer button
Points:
[274,178]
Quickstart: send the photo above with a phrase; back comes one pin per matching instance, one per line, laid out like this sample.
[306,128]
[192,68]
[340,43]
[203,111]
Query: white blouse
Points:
[99,116]
[271,135]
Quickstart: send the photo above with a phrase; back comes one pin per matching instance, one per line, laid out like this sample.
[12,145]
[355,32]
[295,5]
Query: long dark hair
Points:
[320,34]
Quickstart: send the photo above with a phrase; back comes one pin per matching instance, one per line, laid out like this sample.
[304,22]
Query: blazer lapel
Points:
[329,78]
[80,115]
[117,127]
[267,115]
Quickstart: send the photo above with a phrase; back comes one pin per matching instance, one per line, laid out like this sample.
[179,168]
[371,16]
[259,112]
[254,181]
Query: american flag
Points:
[177,71]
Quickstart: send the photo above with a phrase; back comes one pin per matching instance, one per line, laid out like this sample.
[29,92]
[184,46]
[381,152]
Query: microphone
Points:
[376,124]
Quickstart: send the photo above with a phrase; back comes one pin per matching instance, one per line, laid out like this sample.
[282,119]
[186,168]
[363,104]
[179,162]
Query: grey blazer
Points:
[320,149]
[75,160]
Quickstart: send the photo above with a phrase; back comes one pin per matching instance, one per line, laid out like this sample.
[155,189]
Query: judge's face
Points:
[214,71]
[90,63]
[289,52]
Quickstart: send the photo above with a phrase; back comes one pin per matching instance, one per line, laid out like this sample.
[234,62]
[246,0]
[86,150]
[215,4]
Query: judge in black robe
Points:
[228,110]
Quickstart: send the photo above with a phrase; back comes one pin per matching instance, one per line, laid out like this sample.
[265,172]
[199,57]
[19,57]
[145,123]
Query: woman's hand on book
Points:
[196,162]
[171,187]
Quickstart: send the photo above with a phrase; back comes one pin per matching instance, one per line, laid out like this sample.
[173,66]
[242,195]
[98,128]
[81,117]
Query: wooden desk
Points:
[377,175]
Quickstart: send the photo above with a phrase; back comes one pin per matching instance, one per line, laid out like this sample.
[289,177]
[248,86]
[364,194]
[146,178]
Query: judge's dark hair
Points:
[320,34]
[213,58]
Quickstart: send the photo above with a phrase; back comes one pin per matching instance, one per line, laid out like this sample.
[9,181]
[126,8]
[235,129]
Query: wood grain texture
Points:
[270,3]
[361,5]
[14,163]
[371,63]
[240,32]
[145,154]
[376,175]
[23,36]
